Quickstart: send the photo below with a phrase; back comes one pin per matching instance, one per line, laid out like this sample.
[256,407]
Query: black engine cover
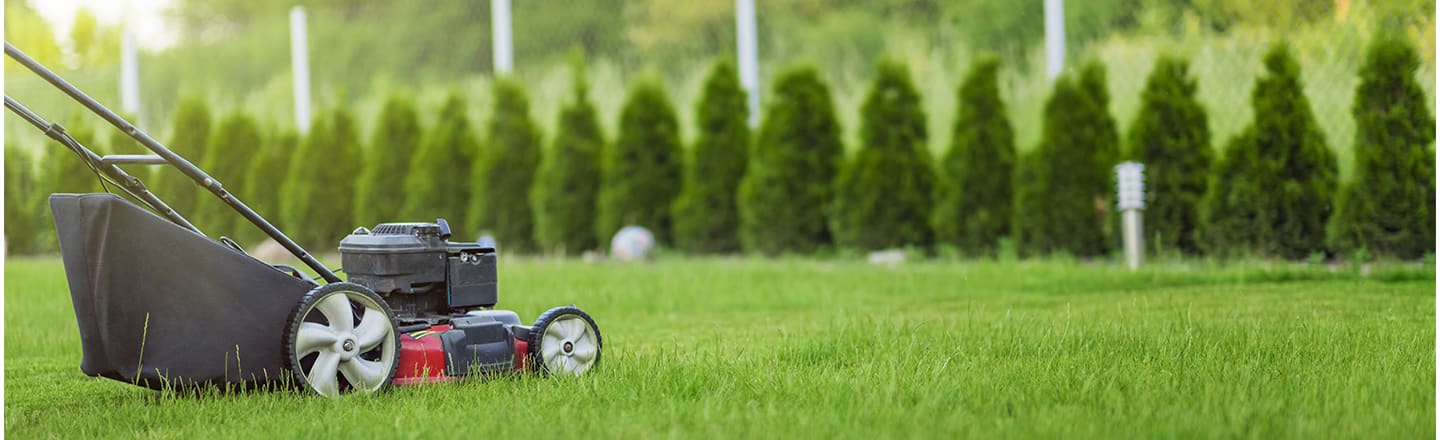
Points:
[418,271]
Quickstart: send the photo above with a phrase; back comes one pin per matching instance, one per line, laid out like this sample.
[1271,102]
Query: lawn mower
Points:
[161,305]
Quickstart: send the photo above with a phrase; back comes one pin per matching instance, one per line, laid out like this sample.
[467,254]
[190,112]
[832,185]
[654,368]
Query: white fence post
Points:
[129,75]
[300,66]
[747,53]
[500,36]
[1054,37]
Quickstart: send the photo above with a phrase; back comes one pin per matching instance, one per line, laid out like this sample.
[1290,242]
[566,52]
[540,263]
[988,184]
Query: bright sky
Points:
[150,29]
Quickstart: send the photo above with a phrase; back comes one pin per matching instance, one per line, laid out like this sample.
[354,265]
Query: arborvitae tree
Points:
[641,172]
[884,197]
[1071,184]
[236,139]
[67,172]
[1272,193]
[568,182]
[318,204]
[792,169]
[973,212]
[1171,137]
[189,136]
[1389,207]
[707,219]
[21,226]
[265,177]
[438,185]
[379,194]
[503,175]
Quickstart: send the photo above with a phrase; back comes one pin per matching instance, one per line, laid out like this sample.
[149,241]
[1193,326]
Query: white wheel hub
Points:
[569,345]
[341,344]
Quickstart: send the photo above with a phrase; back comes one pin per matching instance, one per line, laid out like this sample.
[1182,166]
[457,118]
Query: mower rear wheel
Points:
[342,338]
[565,341]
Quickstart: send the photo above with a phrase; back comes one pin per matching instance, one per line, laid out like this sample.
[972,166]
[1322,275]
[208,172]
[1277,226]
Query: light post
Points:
[1130,184]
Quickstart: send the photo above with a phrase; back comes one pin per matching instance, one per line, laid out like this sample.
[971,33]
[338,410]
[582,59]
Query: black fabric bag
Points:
[160,306]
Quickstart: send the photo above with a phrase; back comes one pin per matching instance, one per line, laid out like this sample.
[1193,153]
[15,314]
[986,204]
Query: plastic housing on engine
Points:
[418,271]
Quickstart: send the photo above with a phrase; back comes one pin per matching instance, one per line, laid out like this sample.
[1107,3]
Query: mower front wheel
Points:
[565,341]
[342,338]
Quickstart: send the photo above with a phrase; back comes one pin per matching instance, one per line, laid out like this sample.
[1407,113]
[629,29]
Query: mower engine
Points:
[442,293]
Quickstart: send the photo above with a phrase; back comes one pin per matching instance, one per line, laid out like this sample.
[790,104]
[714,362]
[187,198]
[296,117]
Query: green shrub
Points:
[641,172]
[884,197]
[1171,137]
[792,168]
[22,221]
[1389,207]
[1069,178]
[707,218]
[973,211]
[506,170]
[565,191]
[438,183]
[235,140]
[317,202]
[66,172]
[1272,192]
[380,193]
[264,183]
[189,136]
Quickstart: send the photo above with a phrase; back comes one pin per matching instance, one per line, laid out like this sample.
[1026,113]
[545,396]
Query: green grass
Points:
[818,349]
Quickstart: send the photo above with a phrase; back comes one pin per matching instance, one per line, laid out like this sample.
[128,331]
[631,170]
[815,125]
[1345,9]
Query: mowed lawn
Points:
[827,349]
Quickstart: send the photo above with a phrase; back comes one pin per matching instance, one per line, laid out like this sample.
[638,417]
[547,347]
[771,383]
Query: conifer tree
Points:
[438,185]
[1171,137]
[235,140]
[641,171]
[1068,184]
[189,136]
[380,193]
[21,226]
[796,157]
[884,197]
[67,172]
[565,191]
[503,175]
[318,204]
[707,219]
[1272,192]
[974,209]
[266,174]
[1388,208]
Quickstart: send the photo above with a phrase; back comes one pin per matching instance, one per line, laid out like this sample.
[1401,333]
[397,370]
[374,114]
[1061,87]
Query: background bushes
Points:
[568,183]
[641,171]
[438,183]
[380,192]
[883,197]
[1170,136]
[707,216]
[973,210]
[1273,191]
[236,139]
[189,136]
[788,185]
[318,200]
[503,175]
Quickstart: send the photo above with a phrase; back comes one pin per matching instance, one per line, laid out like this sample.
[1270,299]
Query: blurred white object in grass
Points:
[632,243]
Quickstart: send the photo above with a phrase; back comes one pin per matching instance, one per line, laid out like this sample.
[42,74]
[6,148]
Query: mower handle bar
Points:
[132,185]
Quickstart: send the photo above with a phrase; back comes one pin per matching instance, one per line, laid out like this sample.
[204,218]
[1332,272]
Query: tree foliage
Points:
[318,203]
[641,171]
[790,179]
[503,176]
[265,177]
[380,193]
[884,197]
[1389,207]
[1272,191]
[974,207]
[566,188]
[236,139]
[1069,181]
[1171,137]
[707,218]
[22,212]
[189,137]
[438,185]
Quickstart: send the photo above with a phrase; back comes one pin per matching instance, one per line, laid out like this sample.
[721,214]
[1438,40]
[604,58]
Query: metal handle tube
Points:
[133,159]
[130,184]
[189,169]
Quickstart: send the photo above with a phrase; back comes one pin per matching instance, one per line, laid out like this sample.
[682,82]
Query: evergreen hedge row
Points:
[641,171]
[976,174]
[380,193]
[502,178]
[567,186]
[707,216]
[1171,137]
[318,203]
[438,185]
